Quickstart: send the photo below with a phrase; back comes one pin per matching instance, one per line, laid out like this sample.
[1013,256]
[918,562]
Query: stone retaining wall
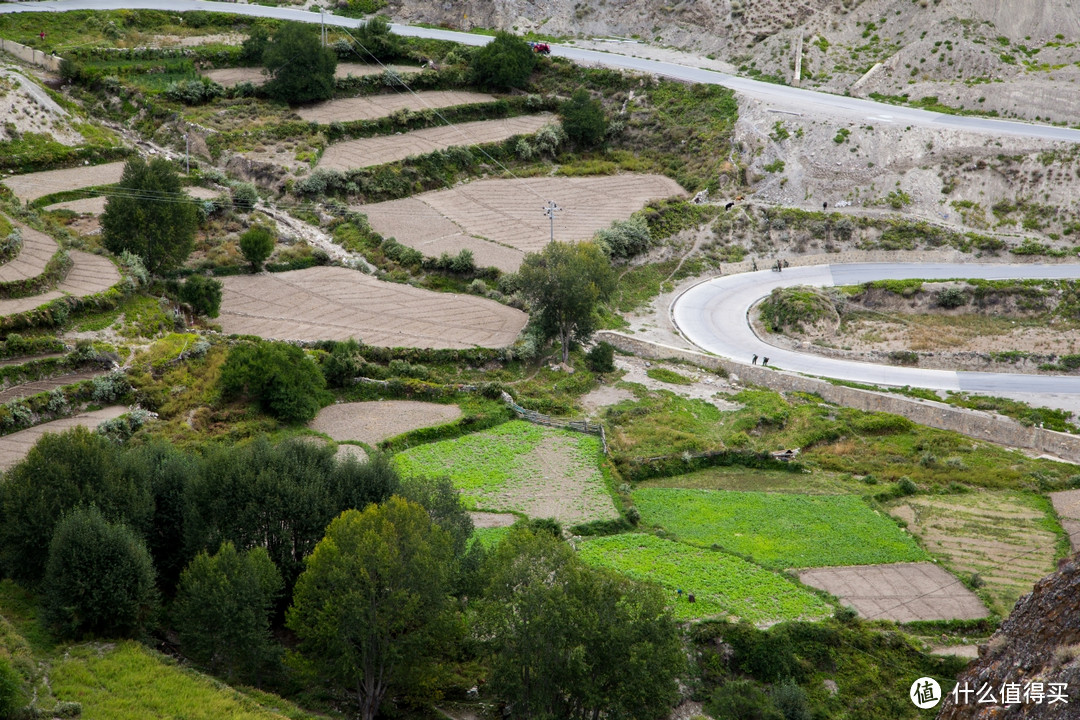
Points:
[980,425]
[30,55]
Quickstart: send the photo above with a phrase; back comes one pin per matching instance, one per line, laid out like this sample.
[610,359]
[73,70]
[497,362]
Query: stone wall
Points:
[979,425]
[30,55]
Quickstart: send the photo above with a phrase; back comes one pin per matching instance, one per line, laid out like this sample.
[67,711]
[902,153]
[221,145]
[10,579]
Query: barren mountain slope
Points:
[1015,58]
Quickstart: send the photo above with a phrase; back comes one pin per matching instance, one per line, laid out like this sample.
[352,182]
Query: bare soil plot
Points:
[15,446]
[372,422]
[1067,506]
[333,303]
[34,185]
[1004,537]
[366,152]
[32,258]
[903,592]
[89,274]
[39,386]
[507,212]
[376,106]
[83,206]
[345,452]
[254,75]
[492,520]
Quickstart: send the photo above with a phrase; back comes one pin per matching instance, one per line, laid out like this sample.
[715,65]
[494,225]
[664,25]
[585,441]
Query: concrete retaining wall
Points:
[30,55]
[983,426]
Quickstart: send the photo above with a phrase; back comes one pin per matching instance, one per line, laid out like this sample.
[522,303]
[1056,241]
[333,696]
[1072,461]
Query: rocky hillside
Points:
[1014,58]
[1039,642]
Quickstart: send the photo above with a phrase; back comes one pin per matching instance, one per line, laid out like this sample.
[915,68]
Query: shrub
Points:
[601,358]
[583,119]
[203,294]
[252,49]
[194,92]
[375,41]
[244,196]
[110,388]
[99,579]
[505,62]
[257,244]
[791,701]
[950,298]
[342,363]
[625,238]
[278,376]
[742,700]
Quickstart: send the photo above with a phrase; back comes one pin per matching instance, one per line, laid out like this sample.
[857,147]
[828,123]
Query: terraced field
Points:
[1067,506]
[333,303]
[723,585]
[370,107]
[31,186]
[254,75]
[1009,539]
[371,422]
[780,530]
[39,386]
[37,249]
[520,467]
[15,446]
[366,152]
[903,592]
[505,214]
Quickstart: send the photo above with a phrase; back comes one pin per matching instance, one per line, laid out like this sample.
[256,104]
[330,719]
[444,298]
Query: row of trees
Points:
[377,576]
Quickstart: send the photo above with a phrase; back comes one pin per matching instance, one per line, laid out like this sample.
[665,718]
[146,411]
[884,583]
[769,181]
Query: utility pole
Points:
[187,154]
[550,209]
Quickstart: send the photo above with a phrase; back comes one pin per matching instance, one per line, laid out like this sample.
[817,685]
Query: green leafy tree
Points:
[150,216]
[372,604]
[301,69]
[625,238]
[280,377]
[742,700]
[61,472]
[583,119]
[203,294]
[99,580]
[222,611]
[505,62]
[253,47]
[257,244]
[375,41]
[570,642]
[565,283]
[279,497]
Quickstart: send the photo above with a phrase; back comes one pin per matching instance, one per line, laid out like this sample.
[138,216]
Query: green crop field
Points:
[723,585]
[778,530]
[520,467]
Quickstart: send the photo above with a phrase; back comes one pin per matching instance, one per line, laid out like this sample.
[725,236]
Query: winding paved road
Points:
[808,102]
[713,316]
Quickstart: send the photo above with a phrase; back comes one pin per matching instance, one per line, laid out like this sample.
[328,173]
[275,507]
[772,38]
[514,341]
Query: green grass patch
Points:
[723,585]
[490,537]
[5,227]
[129,682]
[759,480]
[504,468]
[668,376]
[780,530]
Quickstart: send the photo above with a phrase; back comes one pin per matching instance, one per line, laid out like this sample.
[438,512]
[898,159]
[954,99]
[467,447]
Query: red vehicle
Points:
[541,48]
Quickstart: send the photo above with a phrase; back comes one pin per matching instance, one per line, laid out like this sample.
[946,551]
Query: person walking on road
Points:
[753,360]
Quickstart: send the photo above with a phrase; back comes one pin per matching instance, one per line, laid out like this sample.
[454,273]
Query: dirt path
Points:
[39,386]
[332,303]
[31,186]
[390,148]
[15,446]
[372,422]
[370,107]
[902,592]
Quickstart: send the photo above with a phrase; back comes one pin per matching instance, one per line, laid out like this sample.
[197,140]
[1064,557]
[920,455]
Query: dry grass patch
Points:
[1007,538]
[372,422]
[333,303]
